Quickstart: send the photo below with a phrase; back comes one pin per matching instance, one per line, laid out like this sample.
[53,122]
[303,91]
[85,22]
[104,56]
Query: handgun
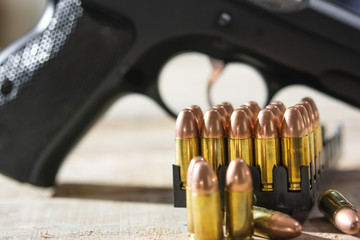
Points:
[57,79]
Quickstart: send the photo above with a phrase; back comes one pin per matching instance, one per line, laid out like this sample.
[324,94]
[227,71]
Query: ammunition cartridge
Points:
[212,139]
[224,116]
[198,115]
[339,211]
[275,225]
[205,197]
[295,147]
[186,142]
[308,124]
[318,131]
[228,107]
[267,149]
[277,113]
[240,141]
[250,114]
[190,216]
[254,108]
[280,106]
[239,201]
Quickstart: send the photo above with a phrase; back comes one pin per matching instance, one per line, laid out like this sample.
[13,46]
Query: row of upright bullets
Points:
[263,138]
[240,218]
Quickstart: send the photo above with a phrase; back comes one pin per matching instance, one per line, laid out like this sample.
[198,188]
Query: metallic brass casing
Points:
[207,214]
[186,149]
[318,139]
[275,225]
[331,203]
[312,152]
[213,150]
[267,156]
[295,153]
[241,148]
[239,215]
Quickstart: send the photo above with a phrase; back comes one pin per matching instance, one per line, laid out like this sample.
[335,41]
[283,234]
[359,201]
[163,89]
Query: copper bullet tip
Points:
[310,111]
[204,180]
[250,114]
[191,167]
[315,109]
[240,125]
[279,105]
[266,126]
[293,124]
[254,107]
[198,115]
[238,176]
[224,115]
[213,125]
[186,125]
[347,220]
[228,107]
[306,117]
[282,226]
[277,112]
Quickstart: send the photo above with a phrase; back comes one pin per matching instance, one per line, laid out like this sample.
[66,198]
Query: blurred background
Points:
[136,133]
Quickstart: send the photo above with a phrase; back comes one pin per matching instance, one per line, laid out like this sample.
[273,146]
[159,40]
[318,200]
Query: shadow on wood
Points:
[114,193]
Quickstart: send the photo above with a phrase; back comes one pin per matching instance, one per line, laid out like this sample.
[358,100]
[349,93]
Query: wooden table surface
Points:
[116,184]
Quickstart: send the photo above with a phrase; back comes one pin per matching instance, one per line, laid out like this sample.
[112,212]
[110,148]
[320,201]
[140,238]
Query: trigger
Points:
[217,68]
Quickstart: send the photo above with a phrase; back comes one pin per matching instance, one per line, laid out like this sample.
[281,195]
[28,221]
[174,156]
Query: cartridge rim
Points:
[186,125]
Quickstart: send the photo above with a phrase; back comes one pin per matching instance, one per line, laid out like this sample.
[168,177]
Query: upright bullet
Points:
[224,116]
[255,108]
[313,136]
[206,204]
[277,112]
[339,211]
[318,131]
[239,200]
[295,147]
[198,115]
[275,225]
[280,105]
[212,139]
[250,114]
[267,149]
[308,124]
[228,107]
[240,142]
[186,142]
[188,195]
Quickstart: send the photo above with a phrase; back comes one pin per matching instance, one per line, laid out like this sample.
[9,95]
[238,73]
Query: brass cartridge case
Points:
[308,124]
[212,139]
[205,197]
[239,200]
[241,148]
[267,148]
[339,211]
[275,225]
[240,141]
[295,147]
[190,216]
[186,142]
[294,155]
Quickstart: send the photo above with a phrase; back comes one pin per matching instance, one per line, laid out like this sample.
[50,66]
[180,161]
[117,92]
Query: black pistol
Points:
[59,77]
